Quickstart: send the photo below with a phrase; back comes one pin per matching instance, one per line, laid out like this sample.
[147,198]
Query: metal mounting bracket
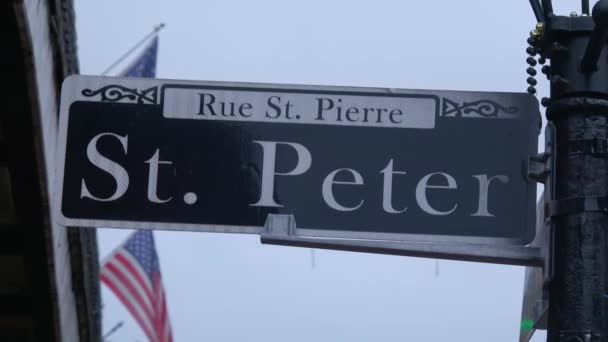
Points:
[278,225]
[281,230]
[539,167]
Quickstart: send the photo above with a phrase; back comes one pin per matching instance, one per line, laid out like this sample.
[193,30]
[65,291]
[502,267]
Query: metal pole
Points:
[547,8]
[113,330]
[538,10]
[585,7]
[578,109]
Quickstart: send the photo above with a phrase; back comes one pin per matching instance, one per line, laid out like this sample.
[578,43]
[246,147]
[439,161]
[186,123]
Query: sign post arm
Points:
[507,255]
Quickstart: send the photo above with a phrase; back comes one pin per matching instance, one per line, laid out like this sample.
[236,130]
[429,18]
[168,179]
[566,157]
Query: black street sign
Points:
[346,162]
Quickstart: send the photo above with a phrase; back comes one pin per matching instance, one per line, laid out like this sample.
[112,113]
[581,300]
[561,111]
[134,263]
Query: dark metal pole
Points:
[538,10]
[578,109]
[548,8]
[585,7]
[598,38]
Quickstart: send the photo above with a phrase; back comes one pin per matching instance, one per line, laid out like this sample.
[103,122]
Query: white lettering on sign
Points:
[331,184]
[304,161]
[328,193]
[269,172]
[422,199]
[484,188]
[153,178]
[121,177]
[387,191]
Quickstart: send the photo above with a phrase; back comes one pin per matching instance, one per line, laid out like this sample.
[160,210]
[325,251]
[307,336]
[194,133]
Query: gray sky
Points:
[223,287]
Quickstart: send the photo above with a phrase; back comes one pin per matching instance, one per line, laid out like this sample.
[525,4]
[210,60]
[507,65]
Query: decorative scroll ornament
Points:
[482,108]
[116,93]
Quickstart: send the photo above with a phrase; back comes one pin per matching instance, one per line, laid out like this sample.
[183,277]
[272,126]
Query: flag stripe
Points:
[135,312]
[163,314]
[126,260]
[144,303]
[164,325]
[157,326]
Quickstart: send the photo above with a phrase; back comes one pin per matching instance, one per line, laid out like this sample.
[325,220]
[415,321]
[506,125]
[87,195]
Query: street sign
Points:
[369,163]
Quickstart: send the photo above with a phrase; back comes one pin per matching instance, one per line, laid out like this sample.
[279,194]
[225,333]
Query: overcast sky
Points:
[224,287]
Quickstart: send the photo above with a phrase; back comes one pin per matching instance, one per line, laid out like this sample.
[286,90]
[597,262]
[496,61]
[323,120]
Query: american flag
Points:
[145,64]
[132,273]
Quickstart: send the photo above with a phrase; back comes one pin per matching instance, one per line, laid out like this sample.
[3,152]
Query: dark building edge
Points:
[83,242]
[33,232]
